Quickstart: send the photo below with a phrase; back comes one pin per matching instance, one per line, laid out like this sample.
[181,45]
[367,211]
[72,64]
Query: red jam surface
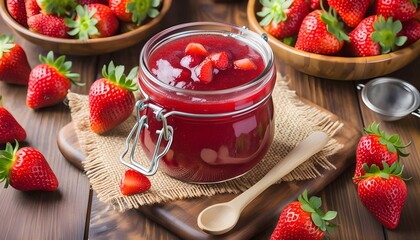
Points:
[206,150]
[176,65]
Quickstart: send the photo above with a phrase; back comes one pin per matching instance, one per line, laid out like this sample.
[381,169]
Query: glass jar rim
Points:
[169,32]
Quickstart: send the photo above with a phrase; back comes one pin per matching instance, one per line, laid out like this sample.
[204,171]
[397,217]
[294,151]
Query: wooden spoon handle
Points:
[304,150]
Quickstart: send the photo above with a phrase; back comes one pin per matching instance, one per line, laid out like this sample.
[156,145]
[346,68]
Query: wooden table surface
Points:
[73,212]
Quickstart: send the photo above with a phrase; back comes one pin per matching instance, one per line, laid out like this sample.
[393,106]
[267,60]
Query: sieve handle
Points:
[416,113]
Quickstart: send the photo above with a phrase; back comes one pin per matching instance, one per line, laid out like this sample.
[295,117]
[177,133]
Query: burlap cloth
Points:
[294,121]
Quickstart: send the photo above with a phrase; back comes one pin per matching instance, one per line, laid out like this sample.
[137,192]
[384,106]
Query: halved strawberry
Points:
[220,60]
[204,71]
[195,48]
[244,64]
[134,182]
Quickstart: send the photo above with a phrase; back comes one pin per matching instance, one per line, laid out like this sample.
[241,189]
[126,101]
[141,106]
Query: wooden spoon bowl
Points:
[334,67]
[90,46]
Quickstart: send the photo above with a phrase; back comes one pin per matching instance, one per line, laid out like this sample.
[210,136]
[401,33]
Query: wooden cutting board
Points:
[180,216]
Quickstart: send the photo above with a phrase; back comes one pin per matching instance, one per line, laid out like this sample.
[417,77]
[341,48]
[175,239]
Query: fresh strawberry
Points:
[17,10]
[282,18]
[375,35]
[375,147]
[93,21]
[322,33]
[383,193]
[402,10]
[111,98]
[411,29]
[32,8]
[61,8]
[244,64]
[49,25]
[14,65]
[195,49]
[134,182]
[204,71]
[26,169]
[220,60]
[303,220]
[135,11]
[10,129]
[50,81]
[352,12]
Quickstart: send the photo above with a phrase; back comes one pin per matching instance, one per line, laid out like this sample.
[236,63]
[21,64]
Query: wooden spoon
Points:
[221,218]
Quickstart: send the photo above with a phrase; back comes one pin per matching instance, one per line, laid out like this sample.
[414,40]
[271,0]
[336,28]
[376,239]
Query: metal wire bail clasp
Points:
[165,133]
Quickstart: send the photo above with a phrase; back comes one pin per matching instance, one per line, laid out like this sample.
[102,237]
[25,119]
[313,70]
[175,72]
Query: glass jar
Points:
[204,136]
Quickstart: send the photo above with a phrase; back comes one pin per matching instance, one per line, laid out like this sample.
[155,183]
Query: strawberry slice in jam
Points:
[214,62]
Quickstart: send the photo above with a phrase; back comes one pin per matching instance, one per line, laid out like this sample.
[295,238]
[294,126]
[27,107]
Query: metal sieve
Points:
[390,98]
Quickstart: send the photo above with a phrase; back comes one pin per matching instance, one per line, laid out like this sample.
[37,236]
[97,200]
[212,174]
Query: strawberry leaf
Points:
[307,208]
[7,157]
[83,24]
[57,7]
[141,9]
[334,26]
[315,202]
[385,34]
[62,66]
[317,220]
[330,215]
[116,75]
[318,217]
[393,142]
[6,44]
[274,11]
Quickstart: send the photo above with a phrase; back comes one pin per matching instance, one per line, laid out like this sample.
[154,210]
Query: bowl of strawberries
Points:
[339,39]
[84,27]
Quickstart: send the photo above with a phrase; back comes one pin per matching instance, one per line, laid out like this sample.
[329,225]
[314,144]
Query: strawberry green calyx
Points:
[62,66]
[7,157]
[6,44]
[84,25]
[334,26]
[273,11]
[1,102]
[116,75]
[320,219]
[392,142]
[57,7]
[395,169]
[386,34]
[142,9]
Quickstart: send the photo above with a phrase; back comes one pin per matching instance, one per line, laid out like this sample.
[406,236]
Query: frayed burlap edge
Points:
[104,179]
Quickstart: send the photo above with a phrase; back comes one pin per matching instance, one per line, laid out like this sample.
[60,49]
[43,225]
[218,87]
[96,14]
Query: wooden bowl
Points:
[334,67]
[90,46]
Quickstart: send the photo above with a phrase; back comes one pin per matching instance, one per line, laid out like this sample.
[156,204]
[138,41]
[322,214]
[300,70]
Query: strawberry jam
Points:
[210,84]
